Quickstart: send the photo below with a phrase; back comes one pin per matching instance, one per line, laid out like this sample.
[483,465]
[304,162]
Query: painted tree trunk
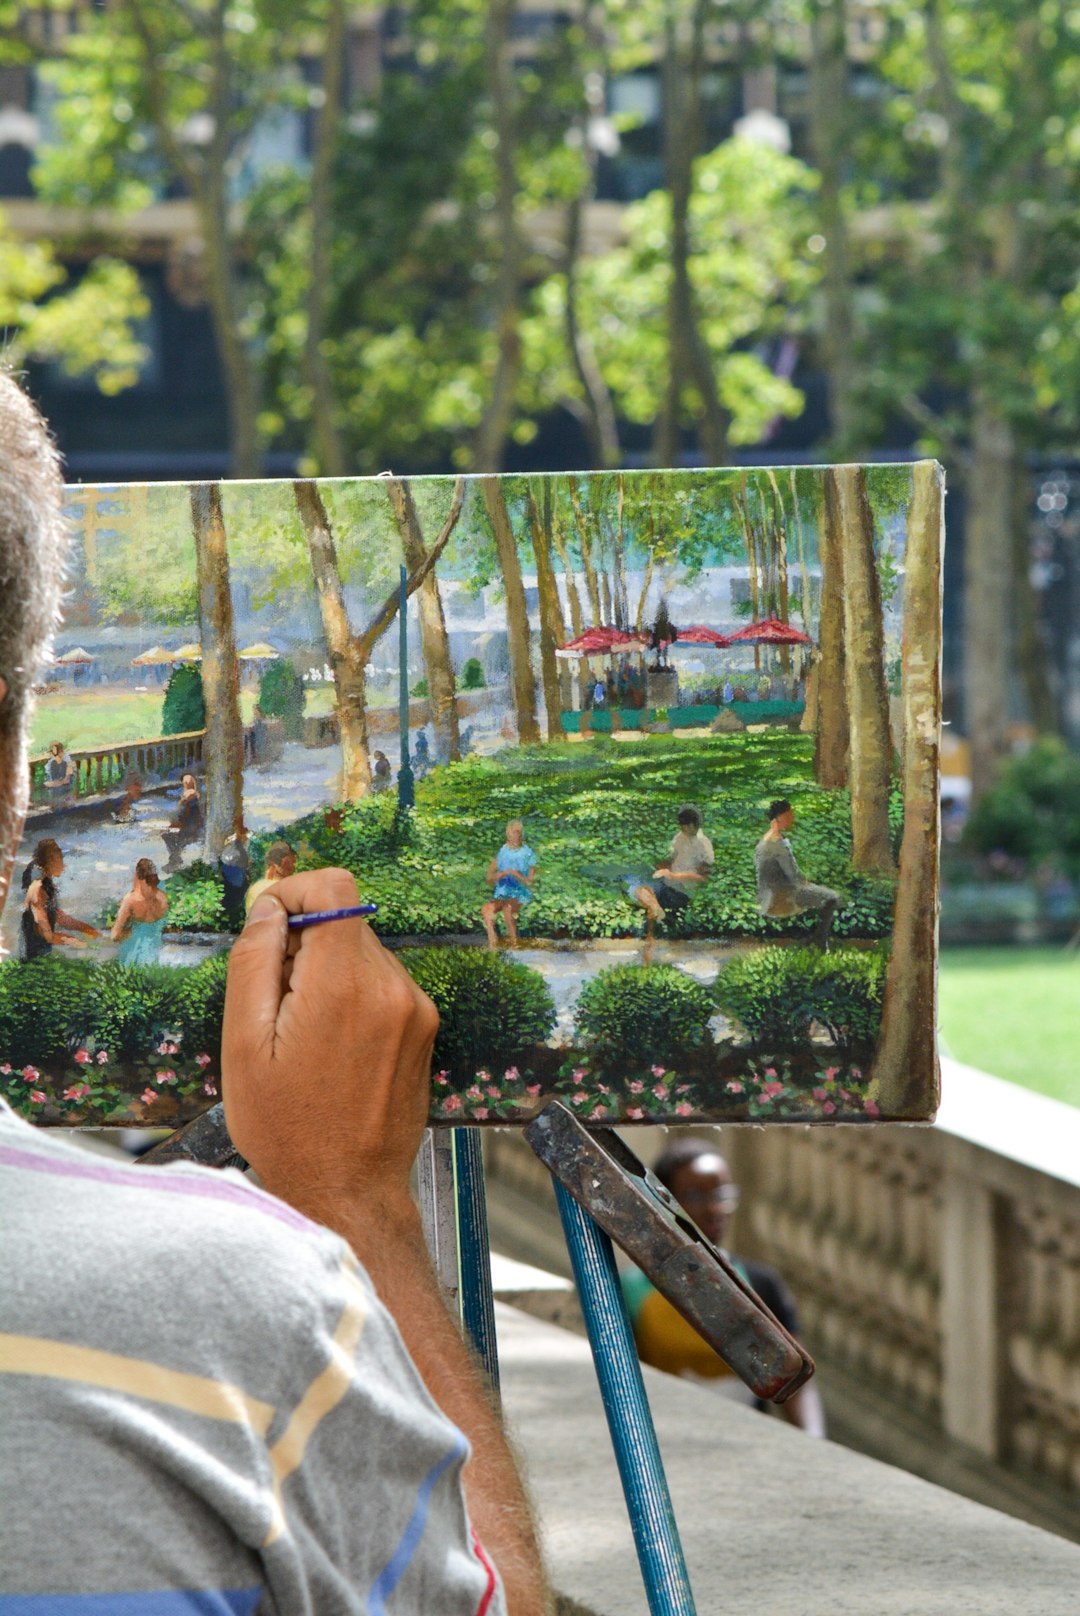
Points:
[870,742]
[573,599]
[434,640]
[831,738]
[522,682]
[904,1075]
[551,620]
[742,500]
[988,582]
[347,658]
[783,602]
[806,597]
[639,617]
[223,745]
[592,584]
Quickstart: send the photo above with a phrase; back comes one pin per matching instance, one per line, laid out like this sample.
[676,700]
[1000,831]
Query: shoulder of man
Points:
[770,1286]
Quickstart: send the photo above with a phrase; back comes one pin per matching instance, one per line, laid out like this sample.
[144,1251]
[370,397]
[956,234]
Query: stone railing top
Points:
[1010,1121]
[120,746]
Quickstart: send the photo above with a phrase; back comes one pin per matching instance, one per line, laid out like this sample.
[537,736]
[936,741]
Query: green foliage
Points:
[492,1010]
[183,709]
[52,1007]
[472,675]
[282,695]
[1032,812]
[638,1013]
[777,993]
[420,689]
[196,894]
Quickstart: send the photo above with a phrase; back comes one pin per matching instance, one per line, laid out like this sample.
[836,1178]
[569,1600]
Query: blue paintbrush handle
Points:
[316,918]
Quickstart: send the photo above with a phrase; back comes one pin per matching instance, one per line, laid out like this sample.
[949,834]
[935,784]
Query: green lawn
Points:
[1014,1012]
[104,716]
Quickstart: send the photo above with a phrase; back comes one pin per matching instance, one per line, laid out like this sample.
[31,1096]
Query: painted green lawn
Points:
[1015,1012]
[102,716]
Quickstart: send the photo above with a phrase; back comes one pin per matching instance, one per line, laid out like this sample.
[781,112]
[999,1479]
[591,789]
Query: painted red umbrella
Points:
[770,632]
[701,634]
[600,642]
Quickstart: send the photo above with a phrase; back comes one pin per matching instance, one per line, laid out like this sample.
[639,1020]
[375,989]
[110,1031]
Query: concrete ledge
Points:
[771,1521]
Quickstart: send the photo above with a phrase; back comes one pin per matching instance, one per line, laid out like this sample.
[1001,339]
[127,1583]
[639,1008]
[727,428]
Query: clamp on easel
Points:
[604,1194]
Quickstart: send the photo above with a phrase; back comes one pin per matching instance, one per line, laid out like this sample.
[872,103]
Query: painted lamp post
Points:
[406,793]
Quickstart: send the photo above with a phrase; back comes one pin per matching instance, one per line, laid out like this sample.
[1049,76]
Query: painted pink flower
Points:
[770,1071]
[596,1113]
[635,1112]
[37,1096]
[532,1088]
[637,1086]
[82,1057]
[733,1086]
[452,1102]
[831,1073]
[855,1075]
[6,1068]
[77,1091]
[821,1094]
[579,1074]
[103,1057]
[30,1074]
[483,1075]
[165,1077]
[602,1088]
[872,1109]
[148,1096]
[163,1049]
[474,1092]
[209,1088]
[658,1071]
[202,1060]
[771,1090]
[684,1109]
[511,1074]
[828,1109]
[481,1111]
[442,1079]
[660,1090]
[682,1088]
[579,1098]
[492,1090]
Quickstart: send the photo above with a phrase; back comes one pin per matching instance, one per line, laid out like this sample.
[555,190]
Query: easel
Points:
[603,1192]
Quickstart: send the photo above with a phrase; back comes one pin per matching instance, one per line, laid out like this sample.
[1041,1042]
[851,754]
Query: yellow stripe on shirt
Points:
[324,1394]
[138,1377]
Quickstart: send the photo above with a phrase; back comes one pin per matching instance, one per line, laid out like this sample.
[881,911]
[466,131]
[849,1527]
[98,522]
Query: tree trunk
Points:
[573,599]
[783,604]
[806,604]
[585,541]
[517,618]
[639,619]
[988,582]
[494,428]
[831,738]
[870,742]
[904,1074]
[325,438]
[830,144]
[434,640]
[598,411]
[223,744]
[689,359]
[348,659]
[551,619]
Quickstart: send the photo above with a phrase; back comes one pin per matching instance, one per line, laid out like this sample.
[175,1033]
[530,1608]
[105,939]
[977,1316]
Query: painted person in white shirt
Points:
[687,867]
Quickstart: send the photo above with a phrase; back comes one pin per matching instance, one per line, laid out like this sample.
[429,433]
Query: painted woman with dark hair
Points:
[43,925]
[140,920]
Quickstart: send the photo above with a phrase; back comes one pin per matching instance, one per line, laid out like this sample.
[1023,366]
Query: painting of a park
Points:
[638,768]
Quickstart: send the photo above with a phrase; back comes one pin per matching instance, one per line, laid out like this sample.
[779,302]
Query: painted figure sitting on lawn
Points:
[511,872]
[687,866]
[782,888]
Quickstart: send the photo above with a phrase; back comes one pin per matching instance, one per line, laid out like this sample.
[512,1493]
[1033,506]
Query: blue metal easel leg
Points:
[633,1435]
[474,1250]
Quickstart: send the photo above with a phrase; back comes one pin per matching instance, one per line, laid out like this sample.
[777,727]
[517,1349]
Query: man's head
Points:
[280,861]
[700,1180]
[33,547]
[689,820]
[781,814]
[57,749]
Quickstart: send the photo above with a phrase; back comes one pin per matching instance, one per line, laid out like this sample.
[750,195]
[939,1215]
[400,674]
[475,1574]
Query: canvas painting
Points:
[639,770]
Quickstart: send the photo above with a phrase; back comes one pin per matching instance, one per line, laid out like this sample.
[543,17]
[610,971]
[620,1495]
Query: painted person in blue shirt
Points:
[511,873]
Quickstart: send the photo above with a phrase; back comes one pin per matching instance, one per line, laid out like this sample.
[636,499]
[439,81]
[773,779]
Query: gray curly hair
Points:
[33,549]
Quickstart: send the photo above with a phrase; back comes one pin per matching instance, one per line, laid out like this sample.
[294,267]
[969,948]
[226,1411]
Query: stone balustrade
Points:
[937,1273]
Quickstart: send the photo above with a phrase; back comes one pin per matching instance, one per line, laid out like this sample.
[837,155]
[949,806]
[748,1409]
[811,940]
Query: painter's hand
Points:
[326,1050]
